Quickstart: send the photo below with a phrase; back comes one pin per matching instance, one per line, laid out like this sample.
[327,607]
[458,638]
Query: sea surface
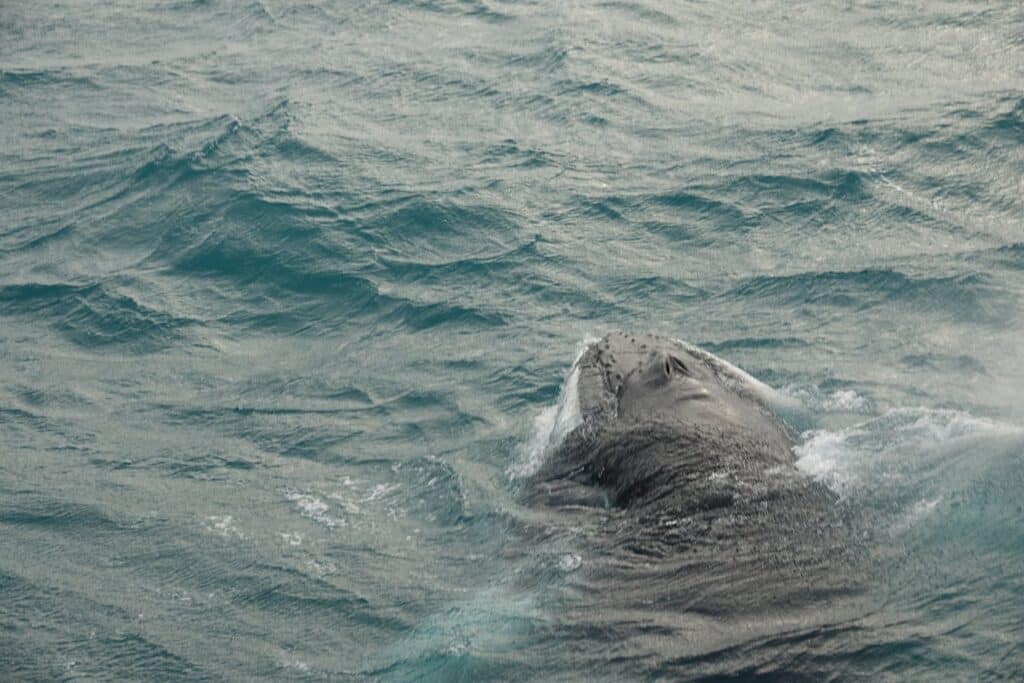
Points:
[289,292]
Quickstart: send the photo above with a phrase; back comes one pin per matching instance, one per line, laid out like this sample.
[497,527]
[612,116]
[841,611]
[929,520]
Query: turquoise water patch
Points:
[290,296]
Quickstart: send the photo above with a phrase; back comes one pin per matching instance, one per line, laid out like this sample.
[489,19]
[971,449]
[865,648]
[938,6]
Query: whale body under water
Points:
[680,489]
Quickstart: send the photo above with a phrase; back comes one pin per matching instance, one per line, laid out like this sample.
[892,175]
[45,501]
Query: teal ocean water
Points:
[289,293]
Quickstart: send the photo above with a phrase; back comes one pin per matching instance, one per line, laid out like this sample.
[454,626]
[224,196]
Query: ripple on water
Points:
[286,291]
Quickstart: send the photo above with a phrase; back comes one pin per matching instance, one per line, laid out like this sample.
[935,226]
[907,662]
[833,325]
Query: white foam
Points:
[846,400]
[839,401]
[321,568]
[569,562]
[846,458]
[312,507]
[944,425]
[291,537]
[823,455]
[223,525]
[380,491]
[296,664]
[350,507]
[553,423]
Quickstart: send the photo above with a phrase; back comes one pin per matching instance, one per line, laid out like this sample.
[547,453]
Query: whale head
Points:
[643,379]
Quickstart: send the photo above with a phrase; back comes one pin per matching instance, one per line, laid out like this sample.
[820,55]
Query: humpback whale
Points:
[683,483]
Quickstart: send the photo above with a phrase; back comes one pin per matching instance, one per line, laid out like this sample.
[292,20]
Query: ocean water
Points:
[290,293]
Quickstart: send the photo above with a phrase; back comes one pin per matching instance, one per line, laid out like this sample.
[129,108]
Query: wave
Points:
[32,79]
[56,515]
[94,315]
[967,297]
